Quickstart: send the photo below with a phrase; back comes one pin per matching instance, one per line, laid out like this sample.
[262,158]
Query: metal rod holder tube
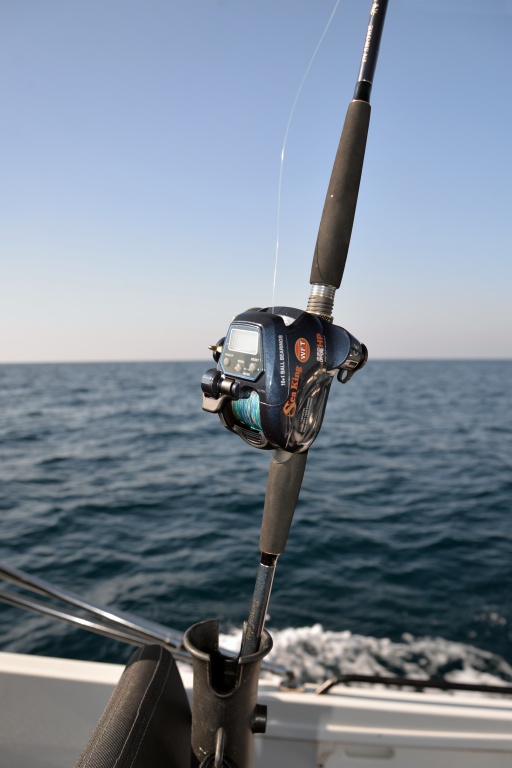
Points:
[224,696]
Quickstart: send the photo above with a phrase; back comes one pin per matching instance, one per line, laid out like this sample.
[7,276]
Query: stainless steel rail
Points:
[153,631]
[123,635]
[116,625]
[417,683]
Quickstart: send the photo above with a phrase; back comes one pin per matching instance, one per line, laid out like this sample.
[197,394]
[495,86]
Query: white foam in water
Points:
[315,654]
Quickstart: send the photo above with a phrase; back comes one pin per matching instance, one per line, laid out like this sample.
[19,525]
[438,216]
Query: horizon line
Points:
[128,361]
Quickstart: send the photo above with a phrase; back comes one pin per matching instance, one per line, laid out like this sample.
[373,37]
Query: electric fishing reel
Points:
[274,371]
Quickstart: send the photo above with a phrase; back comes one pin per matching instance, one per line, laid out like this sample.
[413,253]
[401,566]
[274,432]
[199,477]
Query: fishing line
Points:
[285,140]
[247,410]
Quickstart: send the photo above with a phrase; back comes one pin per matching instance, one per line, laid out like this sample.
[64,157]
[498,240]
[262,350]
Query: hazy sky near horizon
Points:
[140,148]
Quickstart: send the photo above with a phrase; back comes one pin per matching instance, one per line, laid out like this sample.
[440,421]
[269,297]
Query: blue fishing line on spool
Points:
[247,410]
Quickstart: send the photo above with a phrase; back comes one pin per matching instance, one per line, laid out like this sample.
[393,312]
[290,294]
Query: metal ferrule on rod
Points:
[321,300]
[253,629]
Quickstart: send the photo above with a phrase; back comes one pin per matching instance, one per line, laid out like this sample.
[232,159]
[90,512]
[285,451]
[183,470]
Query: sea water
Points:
[116,485]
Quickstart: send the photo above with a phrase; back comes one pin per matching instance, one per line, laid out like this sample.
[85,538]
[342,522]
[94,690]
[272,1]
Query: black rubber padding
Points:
[283,488]
[340,203]
[147,722]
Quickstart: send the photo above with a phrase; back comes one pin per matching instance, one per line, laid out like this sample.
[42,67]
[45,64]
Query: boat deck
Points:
[49,707]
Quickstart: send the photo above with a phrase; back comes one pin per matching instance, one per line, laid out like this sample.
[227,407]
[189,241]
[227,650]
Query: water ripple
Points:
[114,483]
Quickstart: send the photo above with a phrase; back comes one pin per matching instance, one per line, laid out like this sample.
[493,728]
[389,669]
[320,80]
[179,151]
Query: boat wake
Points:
[315,654]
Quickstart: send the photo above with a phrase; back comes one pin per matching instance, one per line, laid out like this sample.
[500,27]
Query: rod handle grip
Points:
[283,488]
[340,203]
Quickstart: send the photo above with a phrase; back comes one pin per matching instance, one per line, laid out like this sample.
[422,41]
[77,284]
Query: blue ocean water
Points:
[115,484]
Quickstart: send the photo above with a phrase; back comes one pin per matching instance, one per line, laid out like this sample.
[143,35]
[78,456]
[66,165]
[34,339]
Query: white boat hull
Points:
[49,707]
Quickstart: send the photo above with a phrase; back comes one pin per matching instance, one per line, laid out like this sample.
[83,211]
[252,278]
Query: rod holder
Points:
[225,714]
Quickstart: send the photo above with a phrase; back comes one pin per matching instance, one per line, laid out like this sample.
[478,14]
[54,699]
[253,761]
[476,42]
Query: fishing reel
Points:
[274,371]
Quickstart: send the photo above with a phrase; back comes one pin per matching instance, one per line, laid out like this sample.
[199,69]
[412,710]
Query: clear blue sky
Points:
[139,154]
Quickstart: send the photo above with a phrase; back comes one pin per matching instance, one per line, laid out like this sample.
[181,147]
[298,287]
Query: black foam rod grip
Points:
[283,488]
[340,203]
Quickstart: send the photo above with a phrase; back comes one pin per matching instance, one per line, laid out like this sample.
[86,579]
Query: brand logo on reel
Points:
[290,407]
[302,350]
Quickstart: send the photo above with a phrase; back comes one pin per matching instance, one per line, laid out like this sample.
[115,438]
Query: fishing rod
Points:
[275,366]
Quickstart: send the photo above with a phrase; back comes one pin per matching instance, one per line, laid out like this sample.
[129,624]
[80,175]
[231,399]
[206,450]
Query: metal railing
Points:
[109,622]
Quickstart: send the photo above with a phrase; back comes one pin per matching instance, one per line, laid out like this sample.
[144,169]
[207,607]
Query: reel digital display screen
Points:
[241,340]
